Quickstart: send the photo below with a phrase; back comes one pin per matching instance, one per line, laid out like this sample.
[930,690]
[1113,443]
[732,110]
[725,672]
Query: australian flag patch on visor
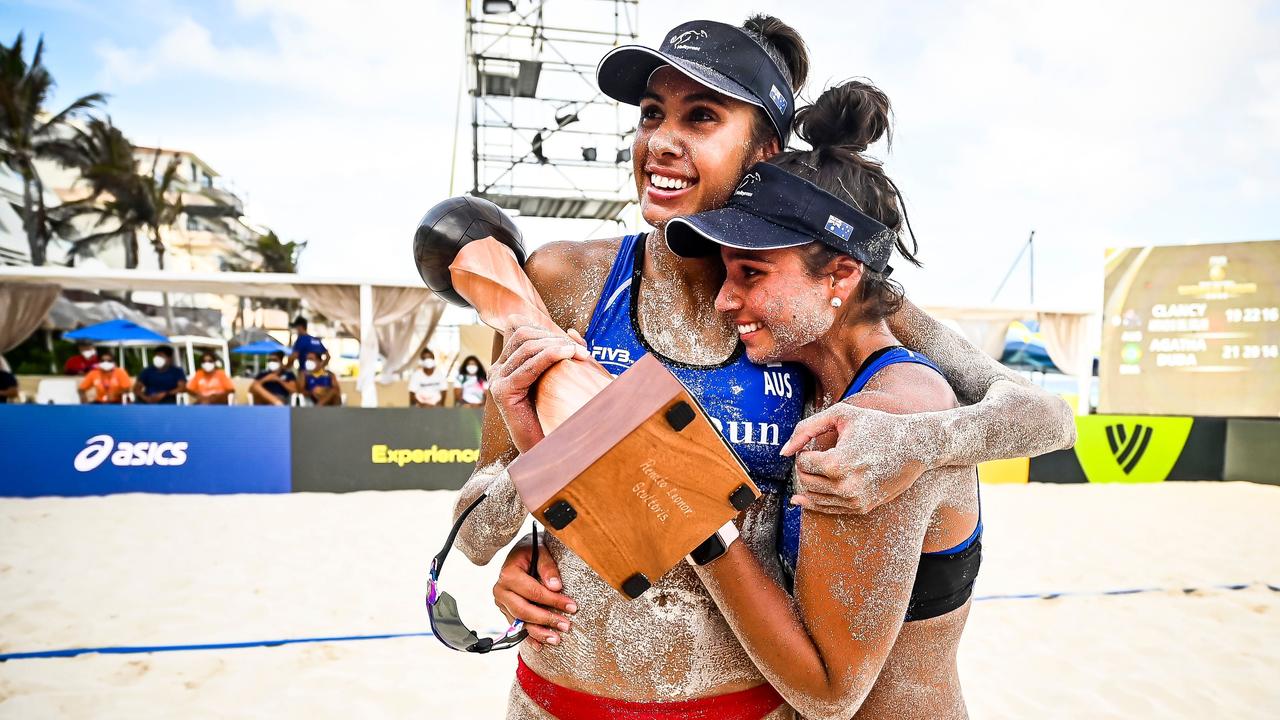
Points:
[839,228]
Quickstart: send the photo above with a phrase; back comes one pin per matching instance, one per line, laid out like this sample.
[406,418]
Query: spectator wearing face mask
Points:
[108,382]
[305,344]
[210,385]
[471,383]
[274,385]
[426,386]
[163,382]
[319,385]
[85,359]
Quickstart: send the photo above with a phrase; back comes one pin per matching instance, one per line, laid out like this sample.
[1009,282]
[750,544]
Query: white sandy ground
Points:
[157,570]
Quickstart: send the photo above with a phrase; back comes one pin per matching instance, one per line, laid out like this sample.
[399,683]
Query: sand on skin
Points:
[158,570]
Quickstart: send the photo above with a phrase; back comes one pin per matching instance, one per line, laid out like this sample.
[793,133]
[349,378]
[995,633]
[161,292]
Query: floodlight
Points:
[498,7]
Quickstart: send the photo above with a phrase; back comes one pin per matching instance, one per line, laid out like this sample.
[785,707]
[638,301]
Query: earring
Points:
[835,302]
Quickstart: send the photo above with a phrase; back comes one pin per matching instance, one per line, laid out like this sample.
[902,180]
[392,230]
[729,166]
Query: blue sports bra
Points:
[755,407]
[944,579]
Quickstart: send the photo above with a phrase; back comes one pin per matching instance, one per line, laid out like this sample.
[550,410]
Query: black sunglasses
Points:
[446,623]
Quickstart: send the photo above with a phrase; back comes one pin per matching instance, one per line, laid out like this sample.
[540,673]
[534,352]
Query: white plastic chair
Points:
[58,391]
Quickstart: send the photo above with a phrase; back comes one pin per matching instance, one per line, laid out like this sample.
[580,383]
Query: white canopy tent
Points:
[1071,335]
[191,342]
[374,309]
[382,311]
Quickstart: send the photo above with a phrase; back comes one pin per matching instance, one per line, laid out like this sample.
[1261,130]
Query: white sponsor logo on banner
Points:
[129,454]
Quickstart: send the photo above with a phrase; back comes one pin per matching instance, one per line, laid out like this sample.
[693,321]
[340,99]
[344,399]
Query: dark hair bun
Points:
[783,44]
[853,115]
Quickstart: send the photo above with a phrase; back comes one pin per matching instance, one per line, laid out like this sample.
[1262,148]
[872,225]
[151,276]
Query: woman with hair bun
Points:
[714,100]
[880,599]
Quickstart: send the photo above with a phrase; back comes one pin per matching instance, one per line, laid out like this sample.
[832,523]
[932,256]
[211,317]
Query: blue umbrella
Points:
[117,331]
[262,347]
[1024,348]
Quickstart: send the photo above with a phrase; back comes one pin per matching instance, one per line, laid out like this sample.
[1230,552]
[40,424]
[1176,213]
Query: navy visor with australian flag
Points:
[772,208]
[722,57]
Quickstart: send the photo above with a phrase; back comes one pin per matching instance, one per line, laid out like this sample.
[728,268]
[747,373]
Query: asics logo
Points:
[128,454]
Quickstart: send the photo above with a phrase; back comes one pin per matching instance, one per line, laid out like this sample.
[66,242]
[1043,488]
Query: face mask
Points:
[159,361]
[311,365]
[88,354]
[472,369]
[429,364]
[273,366]
[107,365]
[208,367]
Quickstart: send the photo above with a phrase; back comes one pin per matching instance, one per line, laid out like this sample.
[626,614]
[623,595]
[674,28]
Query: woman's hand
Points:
[876,457]
[520,595]
[529,352]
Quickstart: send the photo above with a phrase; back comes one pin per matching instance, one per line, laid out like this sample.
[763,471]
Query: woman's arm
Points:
[855,574]
[879,455]
[556,271]
[1015,418]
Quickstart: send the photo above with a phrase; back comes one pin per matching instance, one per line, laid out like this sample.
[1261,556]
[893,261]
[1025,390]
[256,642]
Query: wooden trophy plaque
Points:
[635,480]
[631,474]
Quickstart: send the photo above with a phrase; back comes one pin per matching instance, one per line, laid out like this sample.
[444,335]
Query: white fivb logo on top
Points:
[129,454]
[682,40]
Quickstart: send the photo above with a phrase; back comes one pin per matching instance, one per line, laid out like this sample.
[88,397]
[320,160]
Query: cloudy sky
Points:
[1096,124]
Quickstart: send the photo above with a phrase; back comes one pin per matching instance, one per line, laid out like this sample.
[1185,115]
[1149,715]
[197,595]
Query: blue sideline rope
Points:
[138,649]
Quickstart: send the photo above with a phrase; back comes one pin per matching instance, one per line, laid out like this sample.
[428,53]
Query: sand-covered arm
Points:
[496,520]
[1011,418]
[879,455]
[558,273]
[824,651]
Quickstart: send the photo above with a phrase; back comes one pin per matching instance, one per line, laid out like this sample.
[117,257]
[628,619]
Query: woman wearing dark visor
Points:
[880,599]
[714,100]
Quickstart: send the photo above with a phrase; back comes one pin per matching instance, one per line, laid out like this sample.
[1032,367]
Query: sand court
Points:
[156,570]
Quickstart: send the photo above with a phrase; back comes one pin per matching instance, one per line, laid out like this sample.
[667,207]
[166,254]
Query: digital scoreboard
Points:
[1192,330]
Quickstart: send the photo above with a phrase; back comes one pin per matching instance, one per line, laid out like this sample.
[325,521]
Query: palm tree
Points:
[162,202]
[277,256]
[26,135]
[105,160]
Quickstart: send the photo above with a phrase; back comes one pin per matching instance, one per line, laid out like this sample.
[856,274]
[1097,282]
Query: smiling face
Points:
[778,305]
[691,147]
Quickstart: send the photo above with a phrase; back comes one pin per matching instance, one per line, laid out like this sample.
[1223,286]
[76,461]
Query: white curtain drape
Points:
[1070,338]
[985,327]
[1065,341]
[402,340]
[987,334]
[24,308]
[342,303]
[403,318]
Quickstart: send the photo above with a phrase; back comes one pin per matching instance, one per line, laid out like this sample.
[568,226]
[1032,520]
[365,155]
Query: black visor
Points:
[771,209]
[722,57]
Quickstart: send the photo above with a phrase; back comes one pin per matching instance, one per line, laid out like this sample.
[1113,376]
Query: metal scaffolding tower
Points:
[545,141]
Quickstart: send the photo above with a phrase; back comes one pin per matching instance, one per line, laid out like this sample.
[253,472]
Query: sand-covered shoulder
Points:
[136,570]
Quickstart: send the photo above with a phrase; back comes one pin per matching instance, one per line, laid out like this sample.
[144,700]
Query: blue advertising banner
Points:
[96,450]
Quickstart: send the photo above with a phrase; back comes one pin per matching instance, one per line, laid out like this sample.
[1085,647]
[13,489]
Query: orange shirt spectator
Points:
[210,384]
[108,382]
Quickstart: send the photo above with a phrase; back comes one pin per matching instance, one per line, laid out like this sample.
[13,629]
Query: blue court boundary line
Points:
[1125,591]
[137,649]
[142,649]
